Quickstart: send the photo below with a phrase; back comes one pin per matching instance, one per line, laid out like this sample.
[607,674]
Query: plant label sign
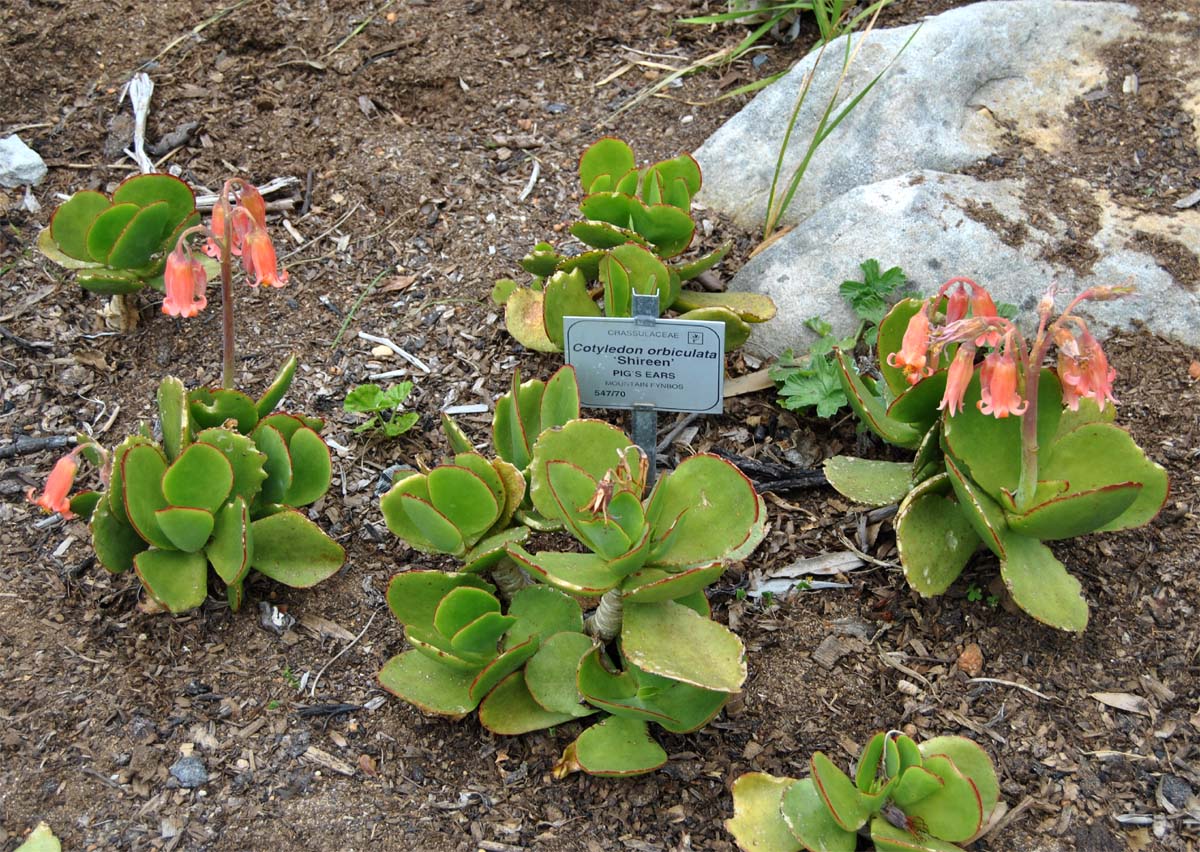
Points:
[634,362]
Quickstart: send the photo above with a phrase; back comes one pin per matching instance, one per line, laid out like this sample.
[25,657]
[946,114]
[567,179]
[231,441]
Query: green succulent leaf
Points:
[591,445]
[116,487]
[615,747]
[671,640]
[509,709]
[667,227]
[141,237]
[953,811]
[757,825]
[188,529]
[869,764]
[541,612]
[508,662]
[1040,584]
[414,596]
[116,543]
[750,307]
[110,282]
[231,549]
[837,791]
[810,820]
[935,538]
[875,483]
[312,468]
[201,478]
[870,407]
[243,456]
[1078,513]
[278,464]
[551,674]
[291,549]
[173,414]
[107,228]
[566,294]
[176,580]
[607,156]
[209,409]
[524,316]
[147,189]
[972,761]
[889,838]
[432,687]
[278,388]
[73,219]
[142,472]
[583,574]
[542,261]
[652,585]
[915,784]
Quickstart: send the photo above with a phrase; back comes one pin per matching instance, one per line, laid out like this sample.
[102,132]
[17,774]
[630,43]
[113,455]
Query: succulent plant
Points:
[519,648]
[909,798]
[635,222]
[120,245]
[1005,451]
[221,488]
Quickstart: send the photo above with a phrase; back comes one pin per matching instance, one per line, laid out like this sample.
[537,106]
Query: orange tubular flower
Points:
[216,224]
[55,497]
[913,357]
[983,306]
[185,281]
[259,258]
[957,379]
[1098,374]
[956,304]
[252,200]
[998,379]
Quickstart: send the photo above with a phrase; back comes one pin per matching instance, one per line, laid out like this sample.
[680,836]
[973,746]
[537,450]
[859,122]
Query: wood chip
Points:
[1188,200]
[832,649]
[324,758]
[1124,701]
[756,381]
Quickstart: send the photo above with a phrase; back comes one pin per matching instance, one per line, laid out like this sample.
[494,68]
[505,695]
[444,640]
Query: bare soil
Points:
[414,137]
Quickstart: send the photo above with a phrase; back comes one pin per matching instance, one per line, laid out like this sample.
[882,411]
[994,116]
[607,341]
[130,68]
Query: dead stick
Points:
[23,446]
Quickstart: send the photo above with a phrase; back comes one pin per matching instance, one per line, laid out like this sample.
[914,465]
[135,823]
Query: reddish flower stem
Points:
[227,294]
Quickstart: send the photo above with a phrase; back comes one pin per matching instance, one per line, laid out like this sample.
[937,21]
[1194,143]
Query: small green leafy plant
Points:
[223,483]
[120,244]
[907,798]
[383,406]
[636,221]
[813,381]
[507,634]
[1005,446]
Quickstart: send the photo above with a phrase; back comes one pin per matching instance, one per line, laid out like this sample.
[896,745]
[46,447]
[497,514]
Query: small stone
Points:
[1173,793]
[382,351]
[189,772]
[970,660]
[556,108]
[20,165]
[908,687]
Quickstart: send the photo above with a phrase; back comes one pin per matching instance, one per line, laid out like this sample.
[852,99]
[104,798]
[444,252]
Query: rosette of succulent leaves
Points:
[508,632]
[119,245]
[904,797]
[636,222]
[222,488]
[963,488]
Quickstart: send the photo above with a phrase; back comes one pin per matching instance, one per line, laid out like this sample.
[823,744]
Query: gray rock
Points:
[920,222]
[190,772]
[966,76]
[20,165]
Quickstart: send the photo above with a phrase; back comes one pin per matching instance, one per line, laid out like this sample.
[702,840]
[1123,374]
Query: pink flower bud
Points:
[957,379]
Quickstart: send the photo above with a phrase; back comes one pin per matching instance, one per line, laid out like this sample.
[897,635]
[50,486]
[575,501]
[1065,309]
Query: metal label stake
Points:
[645,415]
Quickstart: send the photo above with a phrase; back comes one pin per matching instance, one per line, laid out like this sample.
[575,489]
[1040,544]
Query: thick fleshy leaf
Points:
[464,499]
[1075,514]
[918,405]
[147,189]
[231,549]
[484,469]
[870,408]
[737,330]
[434,530]
[915,784]
[837,791]
[188,529]
[560,400]
[681,708]
[523,318]
[501,667]
[115,542]
[427,685]
[455,436]
[565,295]
[757,825]
[141,238]
[629,269]
[487,553]
[935,538]
[668,228]
[952,812]
[116,486]
[311,468]
[278,388]
[84,503]
[1073,458]
[211,408]
[603,235]
[551,673]
[652,585]
[591,445]
[286,424]
[176,580]
[291,549]
[480,638]
[615,747]
[574,573]
[587,262]
[542,612]
[141,472]
[614,691]
[889,838]
[711,507]
[509,709]
[110,282]
[73,219]
[985,515]
[414,596]
[1040,584]
[972,761]
[245,459]
[990,447]
[106,228]
[278,465]
[810,821]
[542,261]
[750,307]
[461,606]
[173,415]
[201,478]
[671,640]
[874,483]
[606,156]
[870,762]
